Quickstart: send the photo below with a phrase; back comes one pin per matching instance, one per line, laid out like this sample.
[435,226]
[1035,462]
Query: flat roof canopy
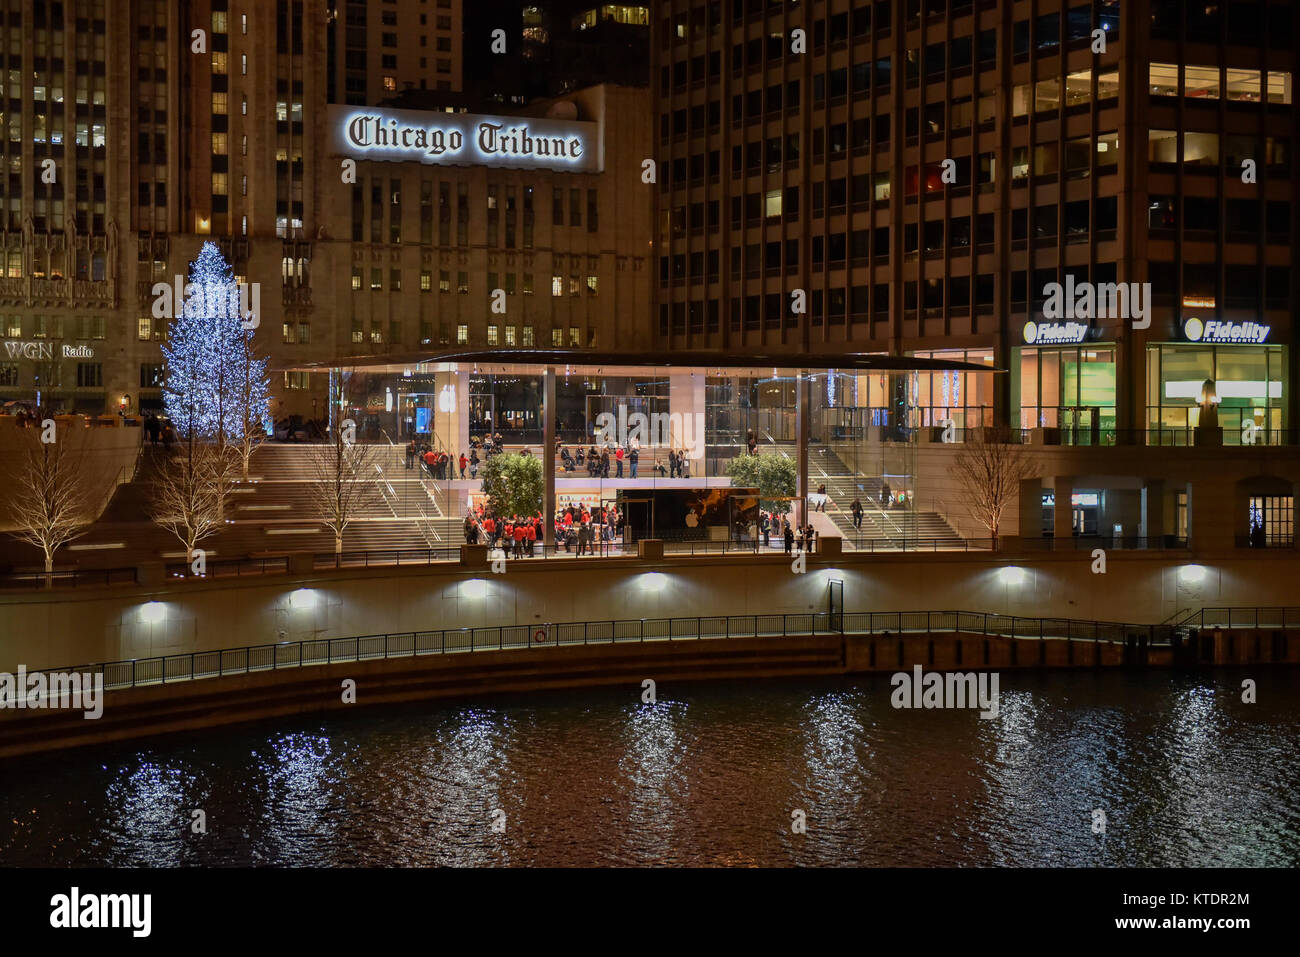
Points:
[631,363]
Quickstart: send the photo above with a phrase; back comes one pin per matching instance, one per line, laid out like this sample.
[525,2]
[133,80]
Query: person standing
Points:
[856,509]
[464,461]
[789,538]
[618,459]
[410,453]
[632,459]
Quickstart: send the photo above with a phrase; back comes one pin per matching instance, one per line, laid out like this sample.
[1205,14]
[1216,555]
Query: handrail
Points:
[136,672]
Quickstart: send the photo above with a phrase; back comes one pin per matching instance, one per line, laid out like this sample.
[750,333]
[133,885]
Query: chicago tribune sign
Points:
[464,139]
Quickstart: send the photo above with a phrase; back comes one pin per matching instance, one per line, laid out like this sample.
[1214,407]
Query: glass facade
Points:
[1250,380]
[1070,388]
[966,398]
[696,423]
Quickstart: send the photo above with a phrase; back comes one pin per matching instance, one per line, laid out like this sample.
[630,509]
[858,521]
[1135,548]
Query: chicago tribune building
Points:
[129,139]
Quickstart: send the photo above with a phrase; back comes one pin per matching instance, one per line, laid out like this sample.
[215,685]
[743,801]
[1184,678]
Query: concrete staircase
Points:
[885,527]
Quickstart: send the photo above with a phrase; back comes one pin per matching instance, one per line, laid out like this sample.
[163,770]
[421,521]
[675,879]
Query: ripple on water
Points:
[1184,773]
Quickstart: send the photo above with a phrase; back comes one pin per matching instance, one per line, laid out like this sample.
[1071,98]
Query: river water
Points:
[711,774]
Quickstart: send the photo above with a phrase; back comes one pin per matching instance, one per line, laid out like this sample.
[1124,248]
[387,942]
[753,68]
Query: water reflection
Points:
[1185,773]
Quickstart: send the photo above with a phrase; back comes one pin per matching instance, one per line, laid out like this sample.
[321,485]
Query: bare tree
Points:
[249,403]
[344,483]
[51,502]
[190,492]
[990,470]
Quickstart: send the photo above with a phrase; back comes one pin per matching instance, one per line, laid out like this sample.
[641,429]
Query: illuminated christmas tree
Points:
[216,386]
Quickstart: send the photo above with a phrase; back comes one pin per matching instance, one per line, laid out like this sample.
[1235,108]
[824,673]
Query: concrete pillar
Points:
[445,430]
[1153,509]
[461,431]
[686,404]
[802,424]
[1030,517]
[1210,521]
[548,452]
[1063,524]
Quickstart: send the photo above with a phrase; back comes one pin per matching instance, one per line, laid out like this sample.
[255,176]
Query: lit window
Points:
[575,336]
[144,329]
[510,335]
[390,83]
[426,281]
[557,338]
[772,204]
[557,285]
[593,283]
[462,335]
[529,338]
[492,335]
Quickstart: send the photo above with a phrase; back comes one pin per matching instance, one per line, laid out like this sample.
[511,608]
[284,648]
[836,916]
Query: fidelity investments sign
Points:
[465,139]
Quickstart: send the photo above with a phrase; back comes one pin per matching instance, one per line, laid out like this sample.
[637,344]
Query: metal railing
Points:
[1113,542]
[69,578]
[1281,616]
[231,567]
[320,651]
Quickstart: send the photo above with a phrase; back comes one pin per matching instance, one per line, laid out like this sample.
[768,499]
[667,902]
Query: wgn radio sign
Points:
[464,139]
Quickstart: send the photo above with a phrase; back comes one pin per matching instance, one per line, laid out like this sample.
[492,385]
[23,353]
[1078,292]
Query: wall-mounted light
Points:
[1192,574]
[302,598]
[653,581]
[473,588]
[152,612]
[1012,575]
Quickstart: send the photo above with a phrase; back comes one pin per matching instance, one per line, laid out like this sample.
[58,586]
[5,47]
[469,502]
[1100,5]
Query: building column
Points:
[1063,513]
[1211,524]
[1030,518]
[802,423]
[1153,509]
[548,454]
[685,400]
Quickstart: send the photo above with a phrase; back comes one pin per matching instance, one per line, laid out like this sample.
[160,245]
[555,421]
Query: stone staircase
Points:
[890,527]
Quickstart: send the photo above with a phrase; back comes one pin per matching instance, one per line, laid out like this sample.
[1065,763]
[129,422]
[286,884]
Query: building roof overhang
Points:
[520,360]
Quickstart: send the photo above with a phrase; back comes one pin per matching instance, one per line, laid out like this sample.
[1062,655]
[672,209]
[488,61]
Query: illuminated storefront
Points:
[965,398]
[1249,376]
[1060,380]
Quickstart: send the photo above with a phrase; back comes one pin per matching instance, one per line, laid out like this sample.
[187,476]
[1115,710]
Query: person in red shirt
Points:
[490,527]
[464,461]
[521,532]
[429,459]
[532,538]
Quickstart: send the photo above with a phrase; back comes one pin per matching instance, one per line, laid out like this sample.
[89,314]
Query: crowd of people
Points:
[578,529]
[599,461]
[447,465]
